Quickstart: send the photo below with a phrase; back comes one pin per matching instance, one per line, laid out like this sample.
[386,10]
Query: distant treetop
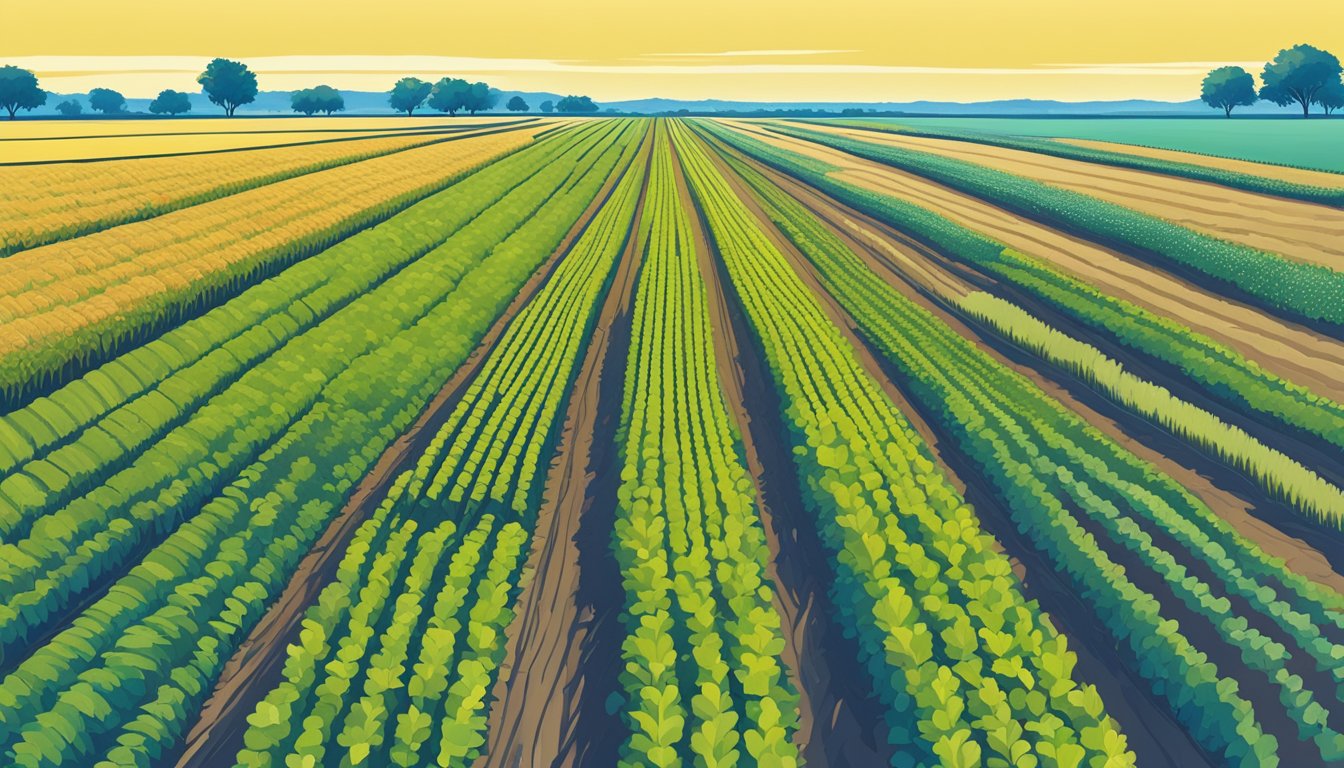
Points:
[107,101]
[408,94]
[1297,74]
[1227,88]
[323,99]
[230,84]
[18,90]
[576,104]
[170,102]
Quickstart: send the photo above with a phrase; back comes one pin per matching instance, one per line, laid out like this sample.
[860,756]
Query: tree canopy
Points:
[479,98]
[408,94]
[449,95]
[230,84]
[576,104]
[107,101]
[323,99]
[70,108]
[18,90]
[1331,97]
[1297,74]
[516,104]
[1227,88]
[547,106]
[170,102]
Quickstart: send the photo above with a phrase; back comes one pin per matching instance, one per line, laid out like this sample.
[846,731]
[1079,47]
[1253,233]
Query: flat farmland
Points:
[668,441]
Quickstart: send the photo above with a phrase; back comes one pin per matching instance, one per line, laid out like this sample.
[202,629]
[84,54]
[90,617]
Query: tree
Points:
[170,102]
[230,84]
[107,101]
[576,104]
[1228,87]
[1331,97]
[18,90]
[408,94]
[1297,74]
[479,98]
[449,95]
[547,106]
[323,98]
[70,108]
[516,104]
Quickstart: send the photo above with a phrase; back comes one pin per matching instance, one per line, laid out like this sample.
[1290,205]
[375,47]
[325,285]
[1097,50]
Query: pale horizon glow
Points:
[747,50]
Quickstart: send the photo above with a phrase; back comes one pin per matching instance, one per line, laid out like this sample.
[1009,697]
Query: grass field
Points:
[1314,144]
[665,442]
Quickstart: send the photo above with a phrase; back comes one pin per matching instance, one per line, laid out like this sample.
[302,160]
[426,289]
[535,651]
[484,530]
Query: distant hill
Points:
[375,103]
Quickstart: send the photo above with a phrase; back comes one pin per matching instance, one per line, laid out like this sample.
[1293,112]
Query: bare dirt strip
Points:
[1289,350]
[1231,494]
[1267,170]
[254,669]
[1299,230]
[563,646]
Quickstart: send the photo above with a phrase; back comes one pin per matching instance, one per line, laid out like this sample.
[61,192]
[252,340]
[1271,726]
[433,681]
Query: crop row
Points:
[1119,158]
[1279,474]
[226,504]
[1086,502]
[1222,373]
[970,671]
[702,675]
[1301,290]
[75,303]
[394,669]
[45,203]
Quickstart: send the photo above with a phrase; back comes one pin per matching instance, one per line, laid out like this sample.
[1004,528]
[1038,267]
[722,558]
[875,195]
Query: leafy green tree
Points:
[547,106]
[1297,74]
[230,84]
[1228,87]
[576,104]
[449,95]
[1331,97]
[516,104]
[323,99]
[479,98]
[70,108]
[170,102]
[18,90]
[107,101]
[408,94]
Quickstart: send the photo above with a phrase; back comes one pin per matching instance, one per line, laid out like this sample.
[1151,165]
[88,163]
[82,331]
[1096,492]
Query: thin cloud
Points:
[766,52]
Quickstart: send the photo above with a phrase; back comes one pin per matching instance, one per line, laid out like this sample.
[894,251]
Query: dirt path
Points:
[1291,351]
[1267,170]
[563,647]
[253,670]
[1300,230]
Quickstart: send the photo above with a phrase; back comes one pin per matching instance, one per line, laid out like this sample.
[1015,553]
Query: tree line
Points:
[1302,75]
[231,84]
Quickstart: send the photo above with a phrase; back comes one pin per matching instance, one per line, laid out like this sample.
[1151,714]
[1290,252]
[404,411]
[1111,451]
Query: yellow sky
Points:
[956,50]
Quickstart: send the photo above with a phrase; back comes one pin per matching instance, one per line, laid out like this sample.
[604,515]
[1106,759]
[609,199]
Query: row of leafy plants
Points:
[1086,502]
[1299,290]
[1217,370]
[970,671]
[1119,158]
[200,533]
[397,656]
[74,304]
[702,675]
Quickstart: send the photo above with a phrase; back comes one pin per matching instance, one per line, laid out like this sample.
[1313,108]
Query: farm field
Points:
[1312,147]
[668,442]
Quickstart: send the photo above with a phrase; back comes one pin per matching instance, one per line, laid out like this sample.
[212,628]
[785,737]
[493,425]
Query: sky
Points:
[780,50]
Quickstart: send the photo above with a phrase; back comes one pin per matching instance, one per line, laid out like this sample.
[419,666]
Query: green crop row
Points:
[131,668]
[702,675]
[971,672]
[1220,371]
[1279,474]
[1084,500]
[395,671]
[1301,290]
[1246,181]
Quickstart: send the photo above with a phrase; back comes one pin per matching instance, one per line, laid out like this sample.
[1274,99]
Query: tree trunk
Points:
[11,111]
[1227,111]
[1306,104]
